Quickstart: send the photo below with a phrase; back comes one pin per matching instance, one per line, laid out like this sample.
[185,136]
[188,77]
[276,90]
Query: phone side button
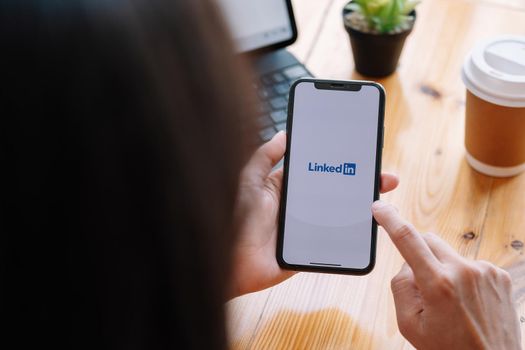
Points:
[383,138]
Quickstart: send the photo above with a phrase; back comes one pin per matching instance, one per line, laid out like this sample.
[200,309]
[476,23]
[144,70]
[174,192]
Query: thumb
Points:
[266,157]
[274,183]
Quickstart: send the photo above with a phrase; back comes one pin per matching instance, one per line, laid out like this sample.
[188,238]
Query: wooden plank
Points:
[503,231]
[478,215]
[331,44]
[244,314]
[509,4]
[310,16]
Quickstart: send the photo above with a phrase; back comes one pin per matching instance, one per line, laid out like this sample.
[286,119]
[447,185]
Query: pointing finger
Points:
[440,248]
[407,240]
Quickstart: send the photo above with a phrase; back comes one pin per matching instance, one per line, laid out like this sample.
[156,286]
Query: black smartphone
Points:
[332,170]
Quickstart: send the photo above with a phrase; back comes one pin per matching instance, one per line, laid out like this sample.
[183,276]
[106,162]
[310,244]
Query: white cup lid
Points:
[495,71]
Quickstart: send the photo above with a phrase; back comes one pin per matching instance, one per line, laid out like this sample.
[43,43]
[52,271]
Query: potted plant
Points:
[377,30]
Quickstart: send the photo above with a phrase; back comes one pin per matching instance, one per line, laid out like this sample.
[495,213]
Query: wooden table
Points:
[482,217]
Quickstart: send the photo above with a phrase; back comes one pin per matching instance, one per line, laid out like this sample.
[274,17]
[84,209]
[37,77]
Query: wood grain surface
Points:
[482,217]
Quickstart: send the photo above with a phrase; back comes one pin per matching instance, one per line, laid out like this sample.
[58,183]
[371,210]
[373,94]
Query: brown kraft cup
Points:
[494,74]
[495,134]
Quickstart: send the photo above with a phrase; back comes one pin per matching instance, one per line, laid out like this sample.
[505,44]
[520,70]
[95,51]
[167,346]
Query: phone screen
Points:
[331,178]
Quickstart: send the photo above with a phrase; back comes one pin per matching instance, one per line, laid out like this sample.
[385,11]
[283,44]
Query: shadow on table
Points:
[323,329]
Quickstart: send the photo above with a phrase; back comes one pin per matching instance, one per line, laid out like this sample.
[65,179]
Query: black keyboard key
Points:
[270,92]
[263,108]
[267,133]
[278,116]
[278,78]
[282,88]
[265,121]
[263,94]
[267,80]
[295,72]
[278,102]
[281,126]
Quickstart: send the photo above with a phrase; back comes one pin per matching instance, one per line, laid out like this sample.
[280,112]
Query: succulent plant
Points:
[383,16]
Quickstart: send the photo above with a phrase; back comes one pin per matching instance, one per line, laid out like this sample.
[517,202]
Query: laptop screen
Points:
[255,24]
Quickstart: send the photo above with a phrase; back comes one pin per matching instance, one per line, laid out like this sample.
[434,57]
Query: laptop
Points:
[263,29]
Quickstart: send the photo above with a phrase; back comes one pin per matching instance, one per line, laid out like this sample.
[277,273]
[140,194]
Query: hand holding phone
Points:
[255,267]
[331,176]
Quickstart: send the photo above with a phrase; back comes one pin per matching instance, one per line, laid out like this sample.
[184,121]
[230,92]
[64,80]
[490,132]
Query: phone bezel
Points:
[377,181]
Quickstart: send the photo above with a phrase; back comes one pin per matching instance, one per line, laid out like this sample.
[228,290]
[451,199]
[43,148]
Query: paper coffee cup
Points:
[494,74]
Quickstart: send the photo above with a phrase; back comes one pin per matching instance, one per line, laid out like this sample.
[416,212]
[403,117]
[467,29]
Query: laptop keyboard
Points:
[272,89]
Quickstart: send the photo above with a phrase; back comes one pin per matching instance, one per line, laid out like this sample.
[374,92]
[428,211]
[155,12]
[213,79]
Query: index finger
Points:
[408,241]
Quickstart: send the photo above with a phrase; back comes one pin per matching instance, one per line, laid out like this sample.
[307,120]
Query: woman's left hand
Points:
[255,265]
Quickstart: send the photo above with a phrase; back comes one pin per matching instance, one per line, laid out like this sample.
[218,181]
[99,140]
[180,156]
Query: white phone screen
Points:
[331,177]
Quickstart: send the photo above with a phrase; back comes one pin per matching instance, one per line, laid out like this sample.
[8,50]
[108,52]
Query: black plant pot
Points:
[376,55]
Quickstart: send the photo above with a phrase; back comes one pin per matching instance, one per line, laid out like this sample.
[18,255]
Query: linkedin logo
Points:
[343,168]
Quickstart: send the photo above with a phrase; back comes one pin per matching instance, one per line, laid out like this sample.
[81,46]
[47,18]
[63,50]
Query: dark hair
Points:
[125,131]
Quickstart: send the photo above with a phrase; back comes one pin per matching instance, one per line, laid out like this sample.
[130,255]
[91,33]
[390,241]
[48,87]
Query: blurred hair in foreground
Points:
[125,131]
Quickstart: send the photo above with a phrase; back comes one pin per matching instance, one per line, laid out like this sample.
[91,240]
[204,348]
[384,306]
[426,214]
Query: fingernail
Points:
[379,204]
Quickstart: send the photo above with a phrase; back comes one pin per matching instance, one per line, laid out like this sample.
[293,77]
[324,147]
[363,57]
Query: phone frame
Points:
[345,85]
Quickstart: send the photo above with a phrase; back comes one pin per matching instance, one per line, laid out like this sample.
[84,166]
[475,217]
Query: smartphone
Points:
[332,170]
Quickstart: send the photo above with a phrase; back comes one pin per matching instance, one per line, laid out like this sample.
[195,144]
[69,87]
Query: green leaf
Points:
[377,24]
[354,7]
[376,6]
[396,18]
[404,19]
[359,6]
[384,15]
[386,10]
[410,5]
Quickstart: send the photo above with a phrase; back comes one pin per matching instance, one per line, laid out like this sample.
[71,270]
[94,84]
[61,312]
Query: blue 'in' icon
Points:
[349,169]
